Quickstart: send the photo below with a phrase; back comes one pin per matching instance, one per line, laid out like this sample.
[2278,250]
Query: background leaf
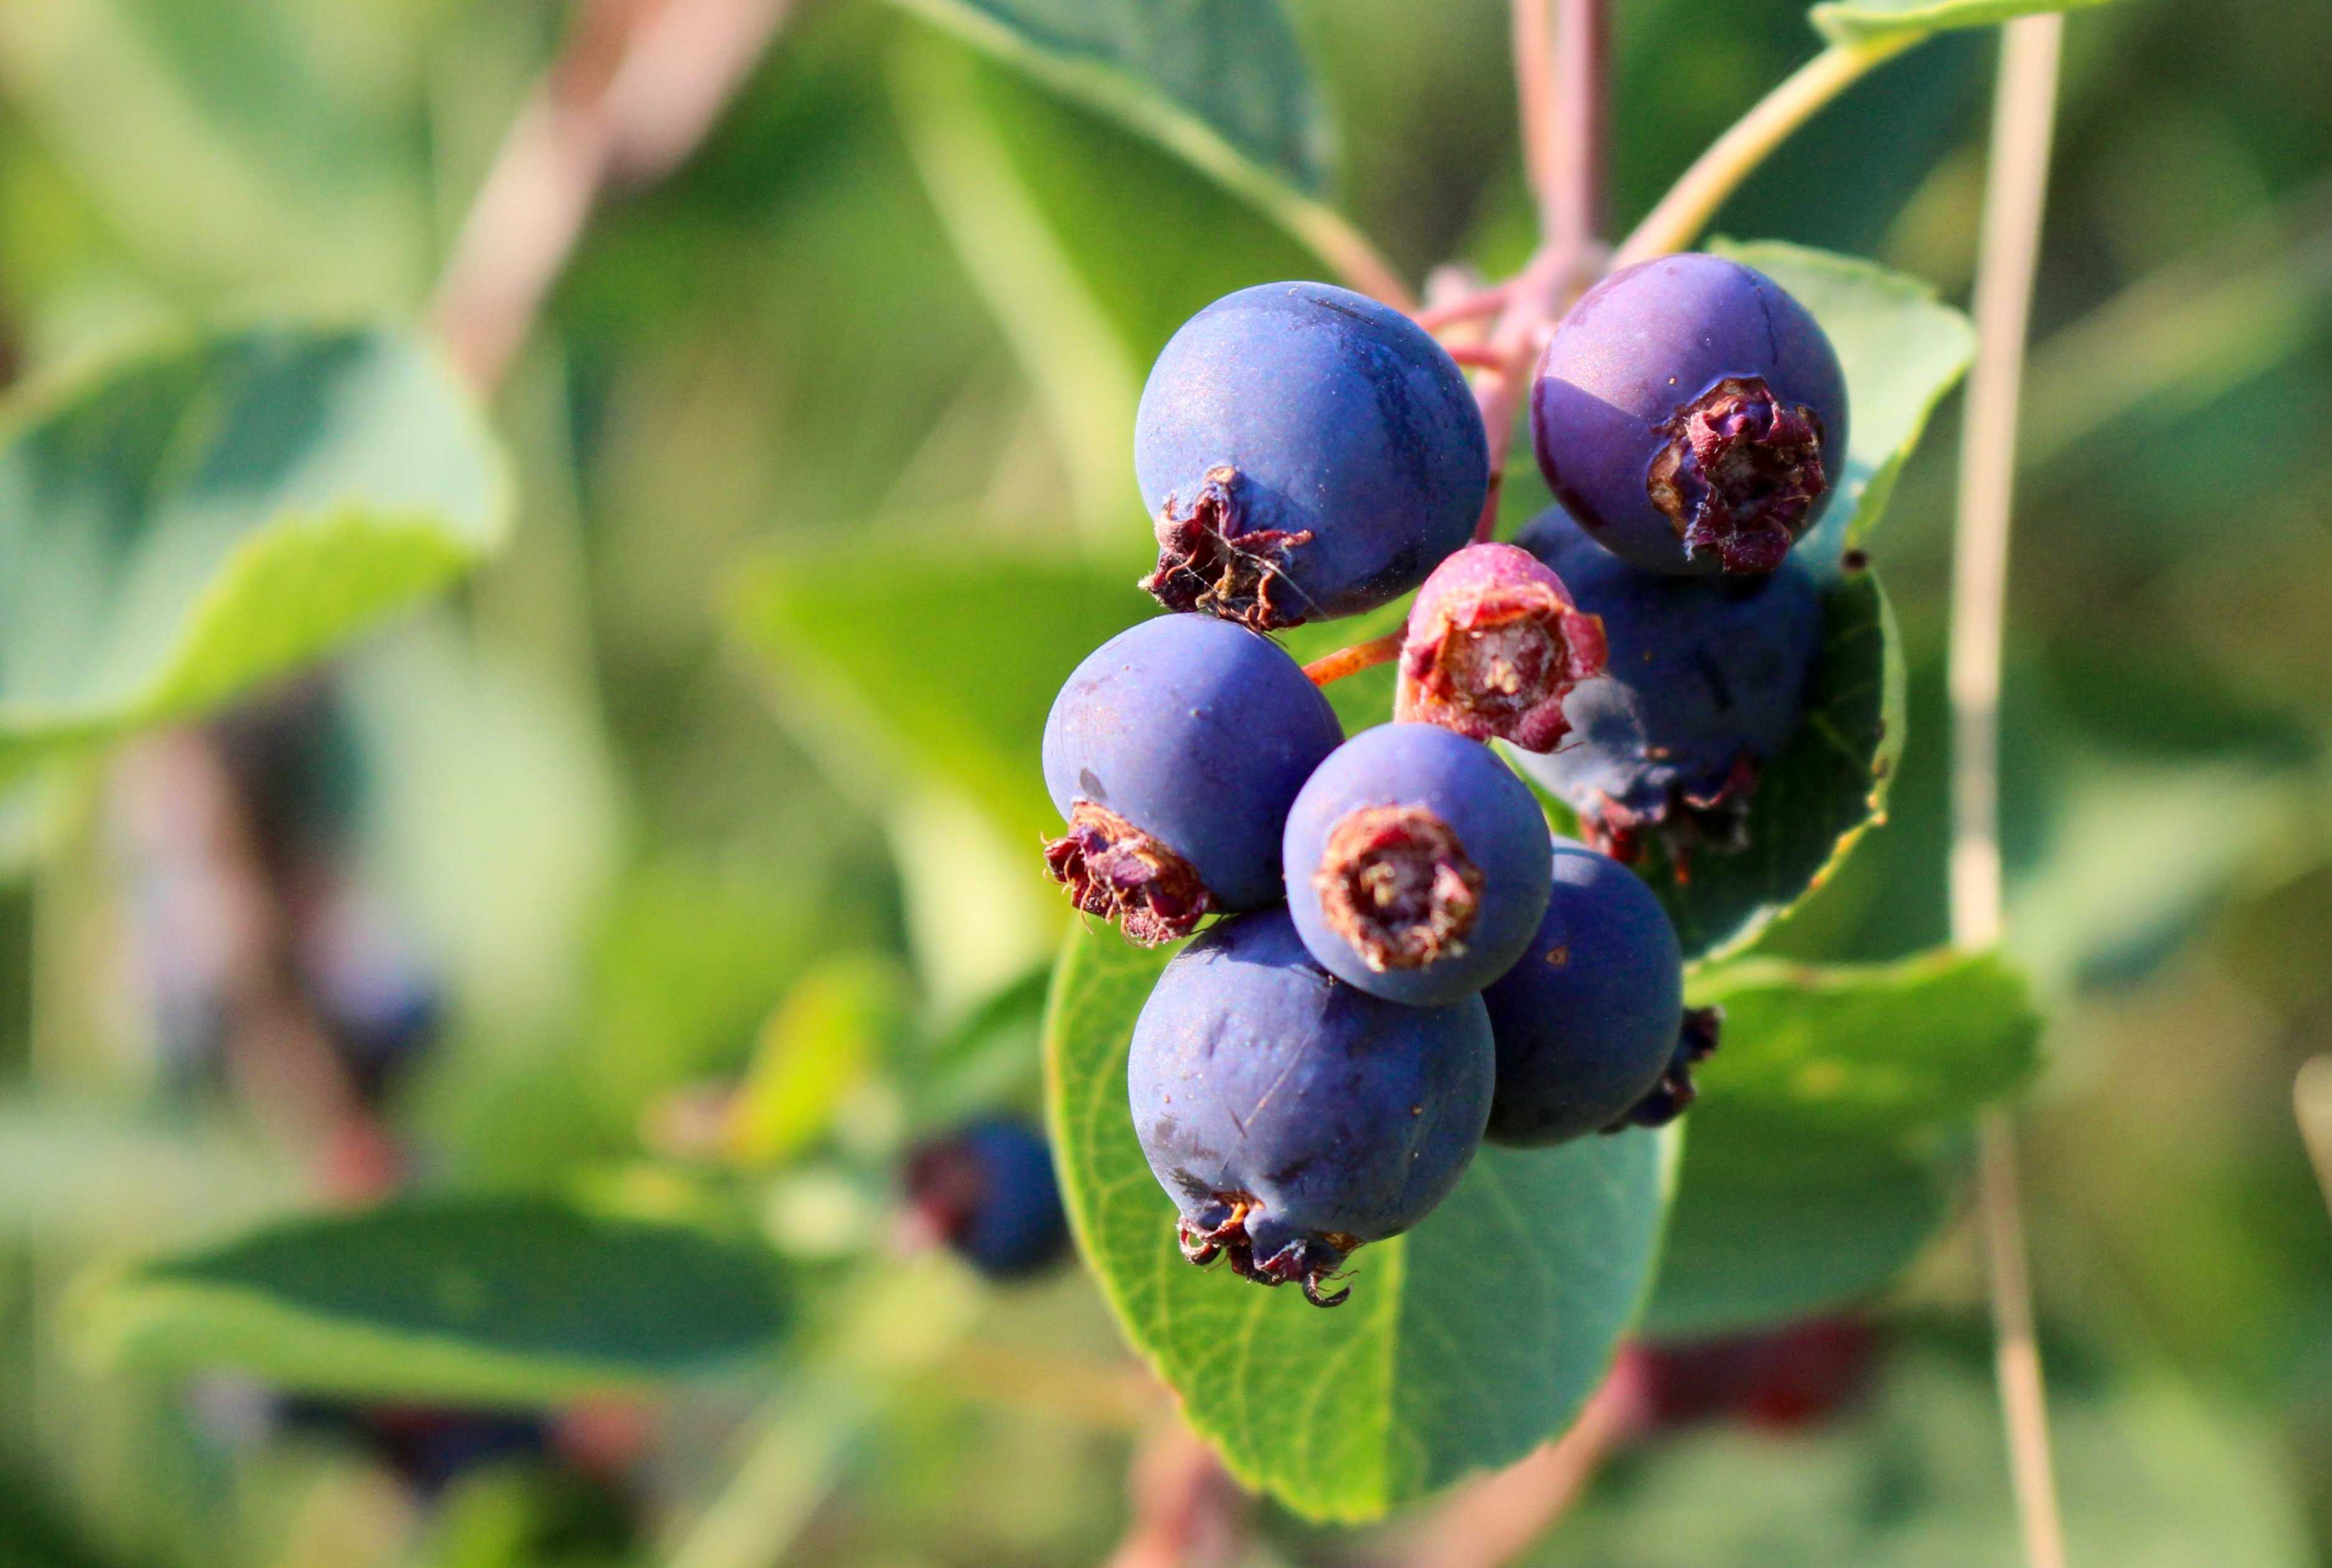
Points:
[199,519]
[898,648]
[1216,81]
[1849,21]
[1877,1048]
[1770,1224]
[1826,1143]
[508,1301]
[1466,1341]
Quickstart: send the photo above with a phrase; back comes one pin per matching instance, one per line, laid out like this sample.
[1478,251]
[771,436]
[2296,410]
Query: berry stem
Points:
[1467,308]
[1474,356]
[2016,187]
[1352,660]
[1694,199]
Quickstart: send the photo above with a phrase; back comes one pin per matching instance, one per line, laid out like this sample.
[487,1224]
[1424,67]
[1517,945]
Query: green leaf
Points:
[1220,82]
[1824,1147]
[1902,350]
[1813,799]
[1859,21]
[1771,1223]
[208,516]
[1883,1049]
[1466,1343]
[890,651]
[507,1300]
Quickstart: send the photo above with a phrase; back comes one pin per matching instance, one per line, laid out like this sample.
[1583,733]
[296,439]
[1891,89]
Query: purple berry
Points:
[1706,681]
[1494,645]
[1307,453]
[1174,752]
[1691,415]
[1293,1119]
[1590,1025]
[1415,864]
[989,1191]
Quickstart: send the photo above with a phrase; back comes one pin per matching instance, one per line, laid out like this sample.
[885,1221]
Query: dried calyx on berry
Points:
[1292,1119]
[1415,864]
[1669,1098]
[1494,645]
[1173,753]
[1211,562]
[1692,416]
[1740,474]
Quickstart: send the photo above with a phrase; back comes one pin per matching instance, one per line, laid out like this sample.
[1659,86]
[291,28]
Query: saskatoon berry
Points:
[1292,1117]
[1494,645]
[988,1190]
[1307,453]
[1691,415]
[1706,681]
[1592,1028]
[1416,864]
[1174,752]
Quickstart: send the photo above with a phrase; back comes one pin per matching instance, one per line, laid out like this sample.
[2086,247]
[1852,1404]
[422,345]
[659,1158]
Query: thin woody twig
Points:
[2015,194]
[638,85]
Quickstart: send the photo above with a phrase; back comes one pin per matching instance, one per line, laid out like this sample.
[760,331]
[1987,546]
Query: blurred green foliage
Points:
[856,381]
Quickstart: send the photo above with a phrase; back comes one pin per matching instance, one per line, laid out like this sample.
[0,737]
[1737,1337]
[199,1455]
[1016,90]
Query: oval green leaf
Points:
[1815,798]
[1826,1143]
[205,517]
[1878,1048]
[1861,21]
[1222,82]
[1464,1344]
[511,1301]
[1902,349]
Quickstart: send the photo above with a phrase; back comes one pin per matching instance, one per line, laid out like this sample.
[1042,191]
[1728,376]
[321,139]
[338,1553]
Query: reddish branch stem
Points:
[1474,306]
[1571,253]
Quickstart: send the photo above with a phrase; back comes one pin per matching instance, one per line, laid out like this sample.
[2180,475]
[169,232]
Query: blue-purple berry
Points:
[1174,753]
[1292,1117]
[1592,1030]
[1307,453]
[1415,864]
[1692,416]
[988,1190]
[1705,683]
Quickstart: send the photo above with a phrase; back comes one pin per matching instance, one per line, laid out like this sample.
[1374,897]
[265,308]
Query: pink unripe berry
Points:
[1494,645]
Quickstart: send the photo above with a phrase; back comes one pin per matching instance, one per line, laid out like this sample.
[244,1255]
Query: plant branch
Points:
[1465,308]
[1718,172]
[1570,254]
[636,86]
[1570,204]
[1534,103]
[2016,185]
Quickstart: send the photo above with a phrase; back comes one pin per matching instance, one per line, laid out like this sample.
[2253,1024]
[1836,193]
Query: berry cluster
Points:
[1409,963]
